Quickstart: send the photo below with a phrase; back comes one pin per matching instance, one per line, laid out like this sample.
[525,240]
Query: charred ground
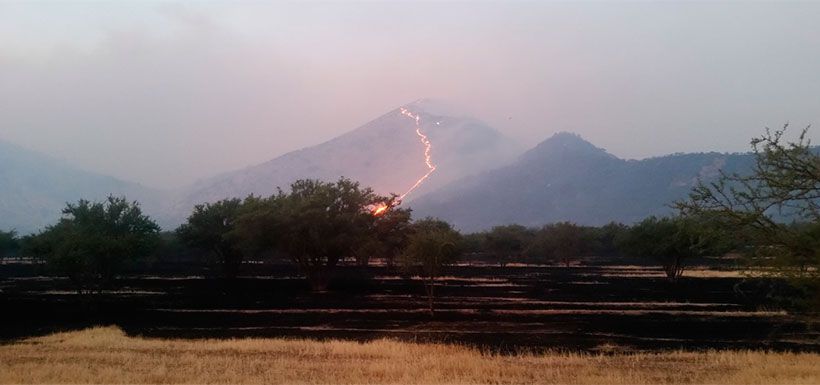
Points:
[597,305]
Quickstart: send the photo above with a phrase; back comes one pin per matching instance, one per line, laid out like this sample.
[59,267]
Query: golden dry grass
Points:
[107,355]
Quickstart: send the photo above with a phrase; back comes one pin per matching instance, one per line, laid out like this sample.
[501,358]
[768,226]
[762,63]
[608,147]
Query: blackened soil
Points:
[503,309]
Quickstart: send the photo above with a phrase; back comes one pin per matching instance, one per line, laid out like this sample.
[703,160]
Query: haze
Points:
[164,93]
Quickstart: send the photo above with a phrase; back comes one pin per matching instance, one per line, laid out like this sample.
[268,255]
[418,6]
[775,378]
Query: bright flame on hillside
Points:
[382,208]
[427,158]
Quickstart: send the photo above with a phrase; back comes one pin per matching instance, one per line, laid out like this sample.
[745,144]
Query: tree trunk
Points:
[674,268]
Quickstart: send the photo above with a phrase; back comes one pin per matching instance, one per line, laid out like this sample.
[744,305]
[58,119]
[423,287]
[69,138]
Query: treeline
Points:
[317,225]
[9,244]
[668,241]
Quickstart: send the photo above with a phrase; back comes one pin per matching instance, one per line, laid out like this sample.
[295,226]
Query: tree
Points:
[507,242]
[673,240]
[660,239]
[9,243]
[210,227]
[37,246]
[173,250]
[783,185]
[606,238]
[561,241]
[257,228]
[433,244]
[93,241]
[474,243]
[387,238]
[320,223]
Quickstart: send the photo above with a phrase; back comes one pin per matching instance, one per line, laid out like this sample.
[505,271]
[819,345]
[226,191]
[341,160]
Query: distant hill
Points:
[566,178]
[34,189]
[386,154]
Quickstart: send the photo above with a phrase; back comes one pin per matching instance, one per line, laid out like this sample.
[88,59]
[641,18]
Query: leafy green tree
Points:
[257,228]
[319,224]
[559,241]
[37,246]
[93,241]
[387,238]
[173,250]
[507,242]
[474,243]
[432,246]
[661,239]
[782,186]
[210,227]
[606,238]
[9,243]
[673,240]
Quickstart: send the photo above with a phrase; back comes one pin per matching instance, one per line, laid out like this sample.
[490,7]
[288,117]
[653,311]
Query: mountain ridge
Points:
[566,178]
[482,179]
[385,153]
[35,187]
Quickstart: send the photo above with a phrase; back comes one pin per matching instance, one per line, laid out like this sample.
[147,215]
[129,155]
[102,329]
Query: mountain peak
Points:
[385,154]
[565,178]
[567,138]
[565,144]
[436,107]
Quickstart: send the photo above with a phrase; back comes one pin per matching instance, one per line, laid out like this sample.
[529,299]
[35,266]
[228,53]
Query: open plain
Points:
[586,307]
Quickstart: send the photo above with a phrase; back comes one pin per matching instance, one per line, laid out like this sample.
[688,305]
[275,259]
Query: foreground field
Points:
[592,308]
[107,355]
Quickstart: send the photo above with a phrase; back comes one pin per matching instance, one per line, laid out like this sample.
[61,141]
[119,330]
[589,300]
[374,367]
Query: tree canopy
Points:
[211,227]
[507,242]
[318,224]
[9,243]
[387,238]
[672,240]
[775,206]
[93,241]
[559,241]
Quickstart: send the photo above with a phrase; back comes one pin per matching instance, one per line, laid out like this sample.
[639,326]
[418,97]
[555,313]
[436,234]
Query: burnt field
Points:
[587,307]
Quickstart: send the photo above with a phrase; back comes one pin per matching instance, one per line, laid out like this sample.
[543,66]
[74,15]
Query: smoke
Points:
[167,93]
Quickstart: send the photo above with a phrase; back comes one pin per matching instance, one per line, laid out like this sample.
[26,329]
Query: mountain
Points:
[386,154]
[566,178]
[34,189]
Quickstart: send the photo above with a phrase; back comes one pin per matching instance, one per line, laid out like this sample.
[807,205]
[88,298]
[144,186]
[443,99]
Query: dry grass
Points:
[106,355]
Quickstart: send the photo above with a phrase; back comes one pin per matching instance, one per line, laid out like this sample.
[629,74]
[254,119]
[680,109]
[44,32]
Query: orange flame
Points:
[427,148]
[382,208]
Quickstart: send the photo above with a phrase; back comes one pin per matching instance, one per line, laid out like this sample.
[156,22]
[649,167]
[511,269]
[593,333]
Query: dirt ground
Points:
[611,308]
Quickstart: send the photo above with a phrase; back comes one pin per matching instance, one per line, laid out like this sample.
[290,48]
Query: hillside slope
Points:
[34,188]
[565,178]
[386,154]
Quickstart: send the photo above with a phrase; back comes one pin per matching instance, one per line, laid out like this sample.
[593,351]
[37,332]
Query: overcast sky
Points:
[166,92]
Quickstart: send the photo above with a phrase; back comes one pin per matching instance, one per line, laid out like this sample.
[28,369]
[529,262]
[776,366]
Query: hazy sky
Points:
[166,92]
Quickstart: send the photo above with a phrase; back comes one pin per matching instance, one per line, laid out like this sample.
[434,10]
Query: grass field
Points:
[107,355]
